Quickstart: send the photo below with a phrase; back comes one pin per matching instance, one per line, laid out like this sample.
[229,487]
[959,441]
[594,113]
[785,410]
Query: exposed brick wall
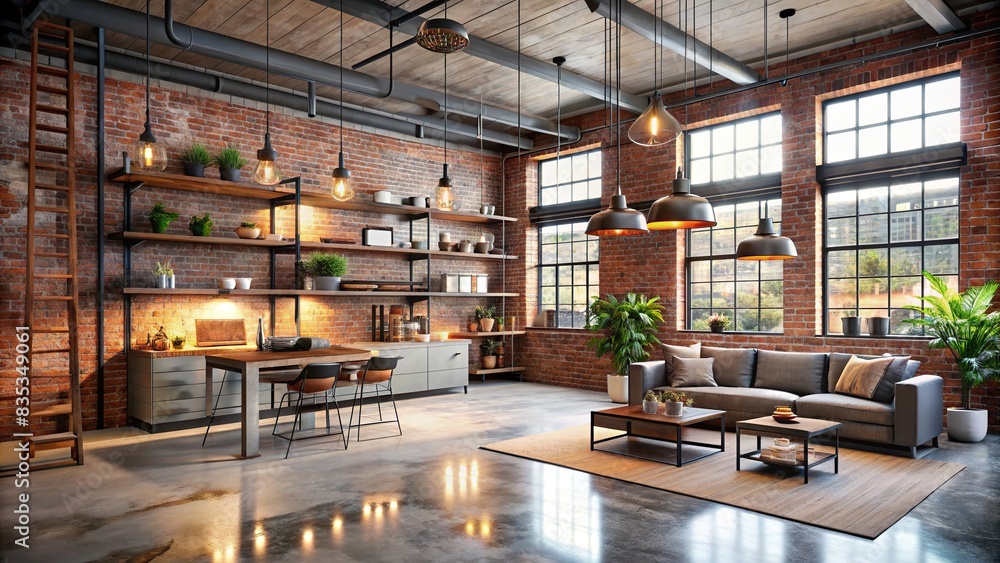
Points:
[654,264]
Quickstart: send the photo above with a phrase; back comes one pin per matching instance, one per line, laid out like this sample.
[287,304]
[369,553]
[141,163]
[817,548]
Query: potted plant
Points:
[499,323]
[489,348]
[676,402]
[484,315]
[160,218]
[629,327]
[195,159]
[850,323]
[962,323]
[178,341]
[326,269]
[472,323]
[718,323]
[201,226]
[230,162]
[248,229]
[163,273]
[650,402]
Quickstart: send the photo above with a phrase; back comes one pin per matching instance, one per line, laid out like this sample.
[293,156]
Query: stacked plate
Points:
[783,414]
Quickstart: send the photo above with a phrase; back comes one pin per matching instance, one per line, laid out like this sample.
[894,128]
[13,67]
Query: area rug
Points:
[871,492]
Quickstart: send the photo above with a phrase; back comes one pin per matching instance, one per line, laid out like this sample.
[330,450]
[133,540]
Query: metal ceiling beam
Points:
[221,47]
[645,24]
[937,14]
[382,14]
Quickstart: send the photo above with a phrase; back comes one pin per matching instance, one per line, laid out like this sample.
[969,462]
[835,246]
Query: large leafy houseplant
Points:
[962,323]
[629,326]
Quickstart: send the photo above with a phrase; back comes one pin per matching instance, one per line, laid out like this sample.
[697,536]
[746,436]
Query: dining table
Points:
[249,365]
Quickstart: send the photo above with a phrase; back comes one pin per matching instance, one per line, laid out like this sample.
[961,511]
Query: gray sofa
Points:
[752,382]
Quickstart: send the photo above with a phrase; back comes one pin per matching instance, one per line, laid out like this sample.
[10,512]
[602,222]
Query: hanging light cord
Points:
[558,126]
[147,63]
[446,101]
[342,74]
[267,65]
[618,99]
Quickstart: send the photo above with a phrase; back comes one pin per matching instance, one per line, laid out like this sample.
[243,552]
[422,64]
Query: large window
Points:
[567,277]
[878,240]
[737,150]
[749,293]
[900,118]
[570,178]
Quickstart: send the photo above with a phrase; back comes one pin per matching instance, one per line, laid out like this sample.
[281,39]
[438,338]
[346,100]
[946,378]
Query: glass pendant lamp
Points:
[443,197]
[342,189]
[147,153]
[655,126]
[266,172]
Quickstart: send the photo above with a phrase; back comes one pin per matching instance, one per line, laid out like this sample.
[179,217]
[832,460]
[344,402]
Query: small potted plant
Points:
[195,159]
[718,323]
[163,274]
[472,323]
[650,402]
[248,229]
[326,269]
[484,315]
[499,323]
[160,218]
[201,226]
[178,341]
[230,162]
[489,348]
[676,402]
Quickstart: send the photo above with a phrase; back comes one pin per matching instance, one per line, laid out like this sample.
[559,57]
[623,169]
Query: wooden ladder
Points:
[51,292]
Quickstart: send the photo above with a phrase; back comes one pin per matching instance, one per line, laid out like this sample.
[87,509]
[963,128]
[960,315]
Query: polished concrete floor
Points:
[433,495]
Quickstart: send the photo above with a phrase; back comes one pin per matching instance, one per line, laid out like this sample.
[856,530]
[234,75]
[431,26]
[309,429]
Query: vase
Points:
[473,326]
[851,326]
[967,425]
[674,408]
[486,325]
[650,407]
[489,362]
[164,282]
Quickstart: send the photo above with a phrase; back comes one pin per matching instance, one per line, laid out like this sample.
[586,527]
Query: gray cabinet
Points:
[425,366]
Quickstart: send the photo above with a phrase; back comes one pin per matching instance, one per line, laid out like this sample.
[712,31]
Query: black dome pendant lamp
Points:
[766,244]
[618,219]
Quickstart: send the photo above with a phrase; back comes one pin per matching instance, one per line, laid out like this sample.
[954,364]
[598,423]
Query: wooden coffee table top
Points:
[634,412]
[799,427]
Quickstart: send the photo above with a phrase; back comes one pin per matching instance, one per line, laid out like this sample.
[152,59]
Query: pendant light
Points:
[342,190]
[442,35]
[267,172]
[655,126]
[766,244]
[443,197]
[618,219]
[150,155]
[681,209]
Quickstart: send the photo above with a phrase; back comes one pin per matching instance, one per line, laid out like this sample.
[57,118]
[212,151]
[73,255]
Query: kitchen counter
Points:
[191,351]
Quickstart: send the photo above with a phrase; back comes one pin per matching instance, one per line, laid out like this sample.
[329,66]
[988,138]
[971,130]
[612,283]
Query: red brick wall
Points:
[654,264]
[307,148]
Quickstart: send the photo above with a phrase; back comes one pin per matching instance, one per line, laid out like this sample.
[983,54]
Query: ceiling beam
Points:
[645,24]
[382,14]
[222,47]
[937,14]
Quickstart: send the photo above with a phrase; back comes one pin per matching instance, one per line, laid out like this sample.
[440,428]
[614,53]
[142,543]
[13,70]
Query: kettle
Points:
[878,326]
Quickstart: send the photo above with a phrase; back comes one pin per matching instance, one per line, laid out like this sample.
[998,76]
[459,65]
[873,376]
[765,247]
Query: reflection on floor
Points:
[432,495]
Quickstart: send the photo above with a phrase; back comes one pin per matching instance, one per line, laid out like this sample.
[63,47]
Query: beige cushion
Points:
[861,378]
[669,351]
[733,367]
[692,372]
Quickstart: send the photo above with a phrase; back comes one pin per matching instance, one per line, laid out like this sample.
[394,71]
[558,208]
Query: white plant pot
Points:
[618,388]
[326,283]
[967,425]
[650,407]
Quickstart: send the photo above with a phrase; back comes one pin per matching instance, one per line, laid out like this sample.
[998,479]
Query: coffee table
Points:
[633,414]
[799,429]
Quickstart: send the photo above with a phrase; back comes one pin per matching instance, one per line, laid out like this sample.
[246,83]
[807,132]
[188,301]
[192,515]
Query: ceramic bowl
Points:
[482,247]
[227,283]
[419,244]
[272,236]
[383,196]
[447,245]
[465,247]
[422,337]
[243,283]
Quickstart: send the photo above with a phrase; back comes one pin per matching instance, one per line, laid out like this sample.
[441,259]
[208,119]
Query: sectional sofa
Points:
[750,383]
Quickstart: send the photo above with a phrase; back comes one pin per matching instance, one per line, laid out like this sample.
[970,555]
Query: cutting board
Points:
[220,332]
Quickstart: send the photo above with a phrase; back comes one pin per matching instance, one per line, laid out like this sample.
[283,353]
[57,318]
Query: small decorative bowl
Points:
[227,283]
[243,283]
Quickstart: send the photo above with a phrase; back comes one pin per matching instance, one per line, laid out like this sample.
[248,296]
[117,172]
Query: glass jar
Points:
[408,331]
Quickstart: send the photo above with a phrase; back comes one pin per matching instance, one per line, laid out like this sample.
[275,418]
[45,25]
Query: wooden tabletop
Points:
[634,412]
[801,427]
[278,359]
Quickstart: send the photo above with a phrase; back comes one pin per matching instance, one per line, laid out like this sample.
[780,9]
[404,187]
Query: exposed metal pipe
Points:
[311,98]
[404,124]
[221,47]
[645,24]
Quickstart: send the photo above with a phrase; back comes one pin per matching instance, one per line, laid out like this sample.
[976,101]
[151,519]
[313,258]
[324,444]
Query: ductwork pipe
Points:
[403,124]
[221,47]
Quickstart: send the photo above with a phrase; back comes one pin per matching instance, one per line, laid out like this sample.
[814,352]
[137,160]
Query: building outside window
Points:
[726,160]
[568,260]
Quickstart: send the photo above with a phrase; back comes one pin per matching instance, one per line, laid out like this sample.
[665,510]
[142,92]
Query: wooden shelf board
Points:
[327,202]
[312,245]
[475,334]
[482,371]
[191,239]
[201,185]
[303,292]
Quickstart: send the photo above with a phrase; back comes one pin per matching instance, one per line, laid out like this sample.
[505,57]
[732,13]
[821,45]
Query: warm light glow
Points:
[654,126]
[260,542]
[470,528]
[443,336]
[266,173]
[307,536]
[378,510]
[367,509]
[342,190]
[443,198]
[675,225]
[338,523]
[149,156]
[484,529]
[393,505]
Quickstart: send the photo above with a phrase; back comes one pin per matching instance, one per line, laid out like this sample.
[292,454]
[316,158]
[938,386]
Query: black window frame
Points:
[572,264]
[741,184]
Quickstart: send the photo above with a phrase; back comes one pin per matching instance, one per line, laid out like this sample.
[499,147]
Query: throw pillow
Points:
[693,372]
[734,367]
[669,351]
[861,378]
[896,372]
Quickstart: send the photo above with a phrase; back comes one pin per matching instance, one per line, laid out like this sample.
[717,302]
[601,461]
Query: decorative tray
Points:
[358,286]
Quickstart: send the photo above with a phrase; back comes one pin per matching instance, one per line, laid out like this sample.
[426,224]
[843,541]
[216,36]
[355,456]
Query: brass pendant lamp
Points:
[266,172]
[442,35]
[655,126]
[342,189]
[149,155]
[618,219]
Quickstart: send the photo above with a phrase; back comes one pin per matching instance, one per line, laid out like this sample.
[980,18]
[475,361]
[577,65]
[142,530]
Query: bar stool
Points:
[314,380]
[378,373]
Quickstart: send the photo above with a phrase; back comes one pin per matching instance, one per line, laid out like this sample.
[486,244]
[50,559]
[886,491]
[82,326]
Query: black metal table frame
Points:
[678,441]
[805,465]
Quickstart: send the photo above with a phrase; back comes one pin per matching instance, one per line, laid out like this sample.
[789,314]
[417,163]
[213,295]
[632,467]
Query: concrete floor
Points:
[432,495]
